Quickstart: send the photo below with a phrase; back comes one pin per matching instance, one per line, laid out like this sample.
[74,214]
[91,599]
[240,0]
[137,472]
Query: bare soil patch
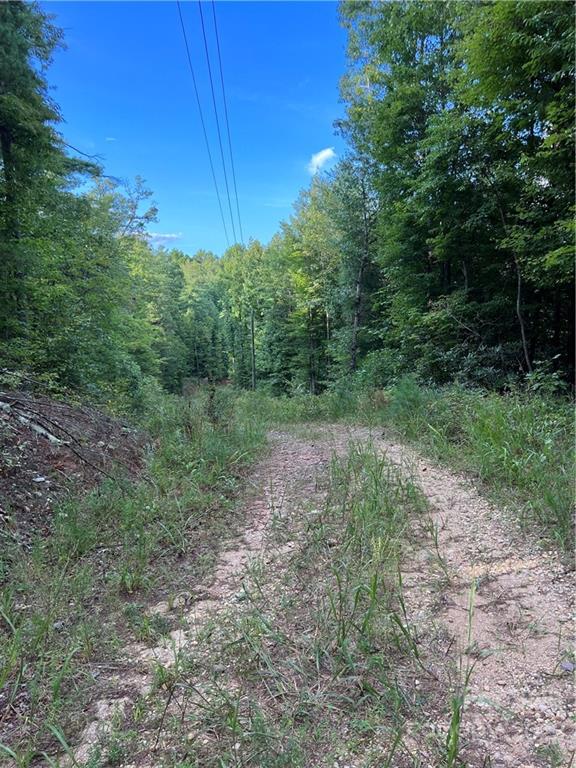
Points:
[50,447]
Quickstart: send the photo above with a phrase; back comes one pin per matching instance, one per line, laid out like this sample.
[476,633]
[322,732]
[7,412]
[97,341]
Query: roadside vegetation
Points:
[519,445]
[74,595]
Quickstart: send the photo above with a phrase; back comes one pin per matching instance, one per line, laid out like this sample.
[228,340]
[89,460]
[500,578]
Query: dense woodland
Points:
[441,246]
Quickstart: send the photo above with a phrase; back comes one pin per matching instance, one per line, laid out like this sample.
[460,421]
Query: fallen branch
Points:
[40,430]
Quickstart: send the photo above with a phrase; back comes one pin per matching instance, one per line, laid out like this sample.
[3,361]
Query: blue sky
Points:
[126,94]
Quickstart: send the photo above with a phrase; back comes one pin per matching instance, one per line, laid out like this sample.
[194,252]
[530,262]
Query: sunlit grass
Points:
[317,661]
[520,444]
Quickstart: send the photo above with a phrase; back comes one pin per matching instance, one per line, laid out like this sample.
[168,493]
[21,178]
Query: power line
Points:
[202,122]
[216,116]
[227,121]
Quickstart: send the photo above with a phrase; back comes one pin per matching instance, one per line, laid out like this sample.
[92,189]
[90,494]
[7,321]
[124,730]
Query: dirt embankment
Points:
[49,447]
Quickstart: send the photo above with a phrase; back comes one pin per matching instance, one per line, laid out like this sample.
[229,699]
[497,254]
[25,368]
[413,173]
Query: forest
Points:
[441,246]
[308,503]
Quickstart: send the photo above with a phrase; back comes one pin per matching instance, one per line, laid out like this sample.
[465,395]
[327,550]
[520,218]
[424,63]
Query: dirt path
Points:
[519,710]
[519,698]
[289,474]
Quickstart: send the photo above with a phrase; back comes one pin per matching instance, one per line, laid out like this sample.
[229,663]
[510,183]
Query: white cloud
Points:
[320,159]
[162,238]
[111,138]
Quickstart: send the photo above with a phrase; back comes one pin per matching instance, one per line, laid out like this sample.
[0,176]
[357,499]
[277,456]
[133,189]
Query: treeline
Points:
[85,301]
[442,245]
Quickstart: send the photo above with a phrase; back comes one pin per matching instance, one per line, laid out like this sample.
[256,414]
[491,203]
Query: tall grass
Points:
[345,400]
[75,596]
[519,444]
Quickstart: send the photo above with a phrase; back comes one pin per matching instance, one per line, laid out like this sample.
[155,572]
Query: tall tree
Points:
[29,146]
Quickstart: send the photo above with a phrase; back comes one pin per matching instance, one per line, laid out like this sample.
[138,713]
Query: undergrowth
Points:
[520,444]
[320,661]
[74,597]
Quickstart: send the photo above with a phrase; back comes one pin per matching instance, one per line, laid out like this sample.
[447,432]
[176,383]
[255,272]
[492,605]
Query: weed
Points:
[519,444]
[312,666]
[551,755]
[457,703]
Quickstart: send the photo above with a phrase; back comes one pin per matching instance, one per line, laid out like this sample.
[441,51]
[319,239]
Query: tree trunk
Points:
[356,316]
[521,317]
[465,273]
[311,354]
[519,314]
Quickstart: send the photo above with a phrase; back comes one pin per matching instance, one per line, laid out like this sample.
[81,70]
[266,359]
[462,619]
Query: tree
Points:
[29,146]
[466,111]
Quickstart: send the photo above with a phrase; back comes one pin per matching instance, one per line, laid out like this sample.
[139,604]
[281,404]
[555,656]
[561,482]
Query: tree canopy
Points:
[441,245]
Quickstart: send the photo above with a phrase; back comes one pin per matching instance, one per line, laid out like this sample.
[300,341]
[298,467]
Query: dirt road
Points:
[518,705]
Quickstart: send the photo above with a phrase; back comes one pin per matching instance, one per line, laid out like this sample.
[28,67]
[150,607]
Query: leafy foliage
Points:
[440,246]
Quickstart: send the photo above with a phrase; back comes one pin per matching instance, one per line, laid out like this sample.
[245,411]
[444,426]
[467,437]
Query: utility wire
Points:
[216,116]
[202,121]
[227,121]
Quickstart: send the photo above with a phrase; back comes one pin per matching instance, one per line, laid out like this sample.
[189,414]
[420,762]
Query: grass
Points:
[520,445]
[73,598]
[319,662]
[459,698]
